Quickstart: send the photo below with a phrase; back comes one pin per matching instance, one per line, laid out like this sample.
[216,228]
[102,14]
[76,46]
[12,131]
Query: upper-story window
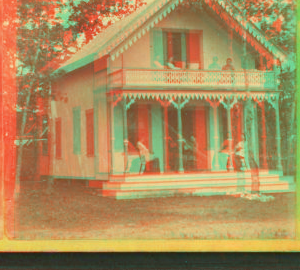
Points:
[178,49]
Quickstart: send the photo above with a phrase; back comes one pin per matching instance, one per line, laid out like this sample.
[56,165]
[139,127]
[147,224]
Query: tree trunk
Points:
[23,124]
[291,146]
[20,149]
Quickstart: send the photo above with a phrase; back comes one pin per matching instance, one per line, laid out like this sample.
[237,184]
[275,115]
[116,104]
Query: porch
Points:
[190,131]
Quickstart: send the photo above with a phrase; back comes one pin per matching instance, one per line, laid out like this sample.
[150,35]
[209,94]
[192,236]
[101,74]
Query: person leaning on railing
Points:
[229,66]
[170,63]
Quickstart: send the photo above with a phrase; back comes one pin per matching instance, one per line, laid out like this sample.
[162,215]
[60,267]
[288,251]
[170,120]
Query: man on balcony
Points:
[229,65]
[214,65]
[228,78]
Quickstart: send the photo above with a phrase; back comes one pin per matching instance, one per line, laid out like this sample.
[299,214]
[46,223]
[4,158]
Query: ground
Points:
[73,211]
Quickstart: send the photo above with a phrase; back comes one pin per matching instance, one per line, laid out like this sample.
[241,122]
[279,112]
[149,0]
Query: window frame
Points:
[184,54]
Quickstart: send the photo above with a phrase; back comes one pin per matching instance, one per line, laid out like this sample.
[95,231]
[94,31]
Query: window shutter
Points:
[76,130]
[195,48]
[90,133]
[58,137]
[158,48]
[169,45]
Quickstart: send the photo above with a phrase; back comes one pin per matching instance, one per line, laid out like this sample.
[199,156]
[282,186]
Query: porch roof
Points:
[120,36]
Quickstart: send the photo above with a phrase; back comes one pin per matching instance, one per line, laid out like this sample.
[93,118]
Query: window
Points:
[58,138]
[77,130]
[45,123]
[186,48]
[89,132]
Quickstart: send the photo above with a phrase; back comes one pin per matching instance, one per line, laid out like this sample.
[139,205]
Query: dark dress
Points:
[254,174]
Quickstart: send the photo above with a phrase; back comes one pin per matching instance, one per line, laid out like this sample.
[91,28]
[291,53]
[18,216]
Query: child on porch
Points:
[240,153]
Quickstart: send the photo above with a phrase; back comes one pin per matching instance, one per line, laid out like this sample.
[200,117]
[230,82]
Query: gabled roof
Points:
[120,36]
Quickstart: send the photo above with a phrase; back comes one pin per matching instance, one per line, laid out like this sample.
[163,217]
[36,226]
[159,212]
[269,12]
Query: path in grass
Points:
[73,213]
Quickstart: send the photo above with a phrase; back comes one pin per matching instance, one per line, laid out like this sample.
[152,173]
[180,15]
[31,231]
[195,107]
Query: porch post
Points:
[179,106]
[229,137]
[166,131]
[125,135]
[112,136]
[278,136]
[216,137]
[254,133]
[214,104]
[180,168]
[263,136]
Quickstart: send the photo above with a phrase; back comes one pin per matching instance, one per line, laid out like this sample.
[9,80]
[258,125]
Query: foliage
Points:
[51,31]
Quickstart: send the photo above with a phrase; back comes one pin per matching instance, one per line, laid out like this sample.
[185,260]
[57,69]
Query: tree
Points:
[47,31]
[276,18]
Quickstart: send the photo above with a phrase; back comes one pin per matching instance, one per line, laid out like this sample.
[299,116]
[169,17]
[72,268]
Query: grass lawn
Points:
[72,212]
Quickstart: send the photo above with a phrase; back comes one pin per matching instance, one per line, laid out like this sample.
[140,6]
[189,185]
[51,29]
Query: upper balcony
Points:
[243,80]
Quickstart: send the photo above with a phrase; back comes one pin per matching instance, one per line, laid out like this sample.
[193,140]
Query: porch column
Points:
[263,136]
[179,105]
[216,137]
[214,104]
[229,138]
[157,134]
[180,153]
[112,136]
[278,136]
[165,105]
[126,106]
[254,133]
[125,132]
[228,106]
[166,131]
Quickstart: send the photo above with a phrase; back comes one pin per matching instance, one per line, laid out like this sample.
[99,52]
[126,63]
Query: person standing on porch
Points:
[191,149]
[240,150]
[244,160]
[214,65]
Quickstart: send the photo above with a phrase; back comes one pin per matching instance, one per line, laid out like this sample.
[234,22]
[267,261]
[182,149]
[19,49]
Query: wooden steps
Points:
[202,184]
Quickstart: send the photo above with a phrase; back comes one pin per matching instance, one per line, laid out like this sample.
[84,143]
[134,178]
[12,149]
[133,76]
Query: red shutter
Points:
[200,132]
[58,137]
[170,45]
[90,133]
[194,46]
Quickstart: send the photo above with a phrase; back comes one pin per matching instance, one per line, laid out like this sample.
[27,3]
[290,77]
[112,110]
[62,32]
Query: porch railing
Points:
[193,78]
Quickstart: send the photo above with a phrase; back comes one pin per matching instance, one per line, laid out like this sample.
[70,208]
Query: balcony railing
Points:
[141,78]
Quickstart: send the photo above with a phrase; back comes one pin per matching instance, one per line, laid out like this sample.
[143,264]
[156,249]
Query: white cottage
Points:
[154,105]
